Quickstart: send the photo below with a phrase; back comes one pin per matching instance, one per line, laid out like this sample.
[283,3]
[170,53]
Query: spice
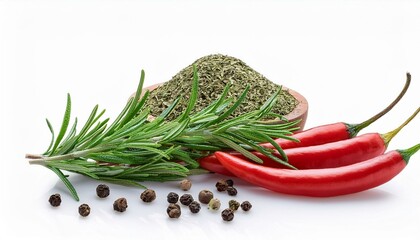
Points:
[231,191]
[84,210]
[174,213]
[55,200]
[120,205]
[214,204]
[228,214]
[205,196]
[172,206]
[215,72]
[246,206]
[221,185]
[234,205]
[185,184]
[102,191]
[229,182]
[186,199]
[148,195]
[194,207]
[172,197]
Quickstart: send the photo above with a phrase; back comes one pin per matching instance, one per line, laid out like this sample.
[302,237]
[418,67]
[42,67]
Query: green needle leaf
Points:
[193,97]
[52,136]
[238,148]
[64,125]
[231,109]
[66,182]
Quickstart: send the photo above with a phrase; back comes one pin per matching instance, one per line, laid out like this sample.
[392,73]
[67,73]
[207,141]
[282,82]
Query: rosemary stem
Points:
[40,159]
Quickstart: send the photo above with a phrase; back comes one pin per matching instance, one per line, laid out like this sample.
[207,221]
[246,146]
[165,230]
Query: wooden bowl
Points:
[300,111]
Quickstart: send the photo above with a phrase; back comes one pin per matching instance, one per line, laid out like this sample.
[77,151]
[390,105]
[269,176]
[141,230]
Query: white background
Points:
[349,58]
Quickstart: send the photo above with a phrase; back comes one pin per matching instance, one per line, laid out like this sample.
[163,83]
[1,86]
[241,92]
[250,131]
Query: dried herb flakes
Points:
[215,72]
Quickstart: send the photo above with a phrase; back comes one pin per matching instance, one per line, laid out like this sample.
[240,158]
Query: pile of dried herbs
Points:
[215,72]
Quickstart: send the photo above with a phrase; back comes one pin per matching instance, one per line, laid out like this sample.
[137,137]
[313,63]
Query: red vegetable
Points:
[327,182]
[212,164]
[329,155]
[336,131]
[340,153]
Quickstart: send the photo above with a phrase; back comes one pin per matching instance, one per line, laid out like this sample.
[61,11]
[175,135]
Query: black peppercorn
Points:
[205,196]
[148,195]
[234,205]
[194,207]
[246,206]
[102,191]
[120,205]
[172,206]
[231,191]
[84,210]
[55,200]
[221,185]
[229,182]
[186,199]
[174,213]
[172,197]
[227,214]
[185,184]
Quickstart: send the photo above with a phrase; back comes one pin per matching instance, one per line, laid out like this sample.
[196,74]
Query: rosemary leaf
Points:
[64,125]
[66,182]
[52,136]
[231,143]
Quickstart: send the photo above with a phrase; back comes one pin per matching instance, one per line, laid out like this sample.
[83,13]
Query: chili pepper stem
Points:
[354,129]
[407,153]
[387,137]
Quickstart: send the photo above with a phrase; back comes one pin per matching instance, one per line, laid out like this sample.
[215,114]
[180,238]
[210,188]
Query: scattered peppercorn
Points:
[186,199]
[194,207]
[185,184]
[84,210]
[227,214]
[214,204]
[55,200]
[172,197]
[229,182]
[102,191]
[246,206]
[205,196]
[148,195]
[120,205]
[221,185]
[174,213]
[234,205]
[172,206]
[231,191]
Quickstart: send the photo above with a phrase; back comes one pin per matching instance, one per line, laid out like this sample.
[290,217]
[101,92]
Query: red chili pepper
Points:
[327,182]
[329,155]
[334,154]
[336,131]
[212,164]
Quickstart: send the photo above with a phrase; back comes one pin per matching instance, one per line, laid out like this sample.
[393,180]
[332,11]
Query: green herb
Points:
[132,149]
[215,72]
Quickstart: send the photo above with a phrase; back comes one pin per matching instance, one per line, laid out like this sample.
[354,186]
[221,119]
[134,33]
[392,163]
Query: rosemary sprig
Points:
[133,149]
